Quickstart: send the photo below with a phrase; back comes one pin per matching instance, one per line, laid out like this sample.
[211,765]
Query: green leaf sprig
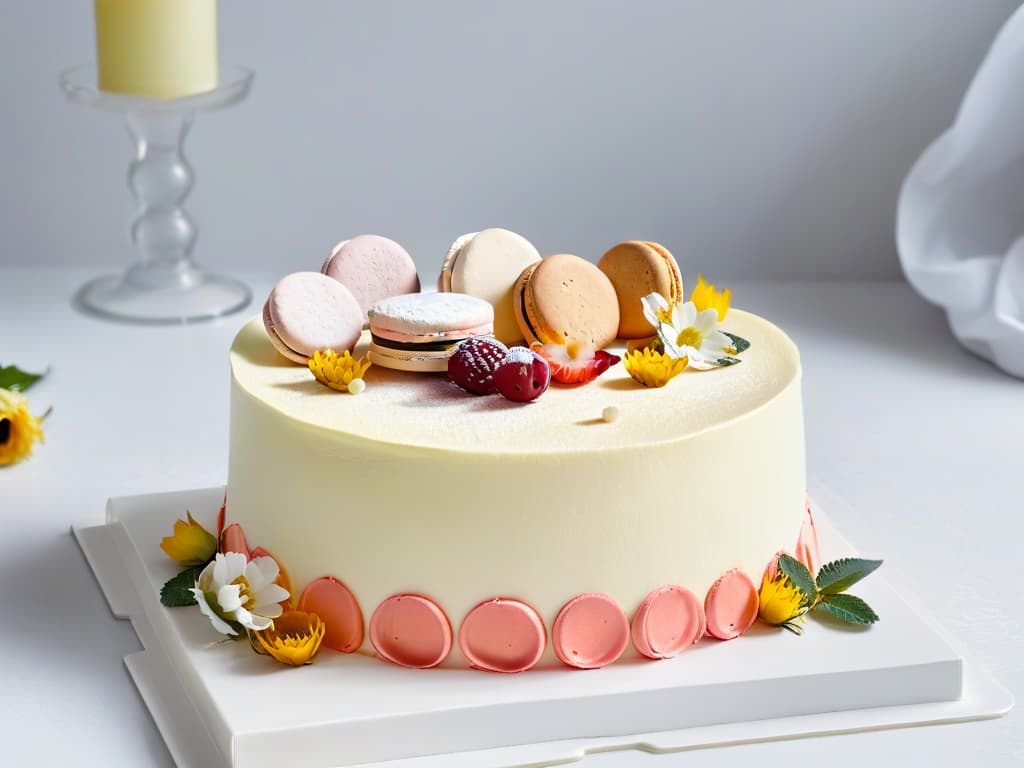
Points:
[17,380]
[826,594]
[177,592]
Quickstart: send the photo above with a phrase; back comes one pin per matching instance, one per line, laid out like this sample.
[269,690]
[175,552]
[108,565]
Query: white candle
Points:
[160,48]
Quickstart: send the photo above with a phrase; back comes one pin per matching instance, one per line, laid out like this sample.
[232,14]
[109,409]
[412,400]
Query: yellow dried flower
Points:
[19,429]
[190,544]
[294,638]
[337,371]
[705,296]
[652,368]
[780,601]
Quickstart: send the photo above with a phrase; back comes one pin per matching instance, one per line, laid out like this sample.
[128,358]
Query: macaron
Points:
[308,311]
[417,332]
[637,268]
[566,299]
[373,268]
[486,264]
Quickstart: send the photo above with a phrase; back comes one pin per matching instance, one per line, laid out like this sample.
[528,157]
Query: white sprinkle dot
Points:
[357,386]
[610,414]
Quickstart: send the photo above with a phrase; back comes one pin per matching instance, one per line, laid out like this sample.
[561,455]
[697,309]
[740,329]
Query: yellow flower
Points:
[705,296]
[19,429]
[338,371]
[294,639]
[191,544]
[781,603]
[652,368]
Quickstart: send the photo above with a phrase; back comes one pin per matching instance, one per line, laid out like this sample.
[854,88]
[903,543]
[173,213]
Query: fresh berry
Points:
[473,363]
[523,376]
[567,369]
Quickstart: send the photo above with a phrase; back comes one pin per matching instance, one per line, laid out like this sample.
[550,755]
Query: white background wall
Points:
[756,139]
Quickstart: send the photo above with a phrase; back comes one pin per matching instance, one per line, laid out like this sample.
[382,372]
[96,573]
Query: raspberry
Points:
[473,362]
[523,376]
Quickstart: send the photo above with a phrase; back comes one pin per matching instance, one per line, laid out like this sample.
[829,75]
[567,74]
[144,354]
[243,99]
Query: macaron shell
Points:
[430,314]
[519,305]
[280,346]
[413,361]
[567,298]
[637,268]
[330,256]
[310,311]
[502,635]
[444,280]
[731,605]
[487,266]
[373,268]
[670,620]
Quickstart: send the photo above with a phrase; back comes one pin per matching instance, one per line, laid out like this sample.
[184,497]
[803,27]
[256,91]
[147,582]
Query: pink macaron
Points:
[373,268]
[417,331]
[308,311]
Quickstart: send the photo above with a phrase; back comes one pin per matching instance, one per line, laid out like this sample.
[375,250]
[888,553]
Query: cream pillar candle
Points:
[160,48]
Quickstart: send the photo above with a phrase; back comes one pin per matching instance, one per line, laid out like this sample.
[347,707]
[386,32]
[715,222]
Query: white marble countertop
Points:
[914,449]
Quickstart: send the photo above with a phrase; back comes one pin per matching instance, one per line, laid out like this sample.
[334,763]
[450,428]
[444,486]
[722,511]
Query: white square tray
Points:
[220,704]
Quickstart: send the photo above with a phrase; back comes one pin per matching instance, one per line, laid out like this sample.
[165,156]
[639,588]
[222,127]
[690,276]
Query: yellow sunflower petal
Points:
[294,638]
[705,296]
[780,600]
[190,544]
[337,371]
[652,368]
[19,429]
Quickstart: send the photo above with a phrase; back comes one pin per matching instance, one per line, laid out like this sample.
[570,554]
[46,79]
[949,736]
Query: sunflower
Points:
[19,429]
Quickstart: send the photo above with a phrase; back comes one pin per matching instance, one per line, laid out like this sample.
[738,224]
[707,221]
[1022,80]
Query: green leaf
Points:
[839,575]
[741,344]
[726,361]
[800,576]
[17,380]
[847,608]
[175,593]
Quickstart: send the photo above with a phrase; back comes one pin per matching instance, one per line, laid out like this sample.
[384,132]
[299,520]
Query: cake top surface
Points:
[428,411]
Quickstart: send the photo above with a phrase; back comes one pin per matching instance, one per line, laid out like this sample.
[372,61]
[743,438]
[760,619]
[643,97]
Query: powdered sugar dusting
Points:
[419,312]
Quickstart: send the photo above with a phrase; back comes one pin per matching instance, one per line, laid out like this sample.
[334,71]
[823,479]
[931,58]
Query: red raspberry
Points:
[523,376]
[473,363]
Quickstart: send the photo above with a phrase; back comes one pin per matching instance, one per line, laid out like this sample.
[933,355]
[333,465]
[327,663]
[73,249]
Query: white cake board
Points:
[217,703]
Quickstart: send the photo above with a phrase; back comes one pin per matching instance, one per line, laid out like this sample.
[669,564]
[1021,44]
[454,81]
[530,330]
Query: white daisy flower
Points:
[656,309]
[693,335]
[231,590]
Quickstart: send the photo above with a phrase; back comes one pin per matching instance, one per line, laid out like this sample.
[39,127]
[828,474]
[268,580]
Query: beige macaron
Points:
[486,264]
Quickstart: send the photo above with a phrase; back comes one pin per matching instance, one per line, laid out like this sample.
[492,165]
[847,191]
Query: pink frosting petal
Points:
[668,621]
[502,635]
[590,631]
[807,543]
[411,631]
[731,605]
[333,602]
[233,540]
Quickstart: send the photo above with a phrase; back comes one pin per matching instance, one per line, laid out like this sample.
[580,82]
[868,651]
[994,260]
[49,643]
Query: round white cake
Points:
[416,487]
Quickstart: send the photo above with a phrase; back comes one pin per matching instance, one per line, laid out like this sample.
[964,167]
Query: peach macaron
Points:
[637,268]
[565,299]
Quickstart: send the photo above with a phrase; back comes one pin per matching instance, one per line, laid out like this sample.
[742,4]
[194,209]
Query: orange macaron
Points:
[563,299]
[637,268]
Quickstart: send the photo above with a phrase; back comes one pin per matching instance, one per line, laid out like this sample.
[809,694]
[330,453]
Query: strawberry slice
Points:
[572,365]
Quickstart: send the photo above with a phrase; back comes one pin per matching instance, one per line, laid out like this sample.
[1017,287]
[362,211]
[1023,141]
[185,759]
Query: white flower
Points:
[656,309]
[693,335]
[230,589]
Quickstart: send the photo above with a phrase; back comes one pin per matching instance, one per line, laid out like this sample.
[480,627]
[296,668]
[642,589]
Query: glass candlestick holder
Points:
[164,285]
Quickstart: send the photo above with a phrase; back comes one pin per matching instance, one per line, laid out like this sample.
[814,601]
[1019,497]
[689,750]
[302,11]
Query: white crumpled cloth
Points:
[960,222]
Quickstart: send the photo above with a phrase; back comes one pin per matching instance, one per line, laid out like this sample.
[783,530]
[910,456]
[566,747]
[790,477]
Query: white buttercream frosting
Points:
[418,486]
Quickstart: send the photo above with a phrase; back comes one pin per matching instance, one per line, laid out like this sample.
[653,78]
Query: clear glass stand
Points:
[164,285]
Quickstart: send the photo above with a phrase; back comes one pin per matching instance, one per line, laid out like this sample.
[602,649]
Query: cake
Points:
[486,516]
